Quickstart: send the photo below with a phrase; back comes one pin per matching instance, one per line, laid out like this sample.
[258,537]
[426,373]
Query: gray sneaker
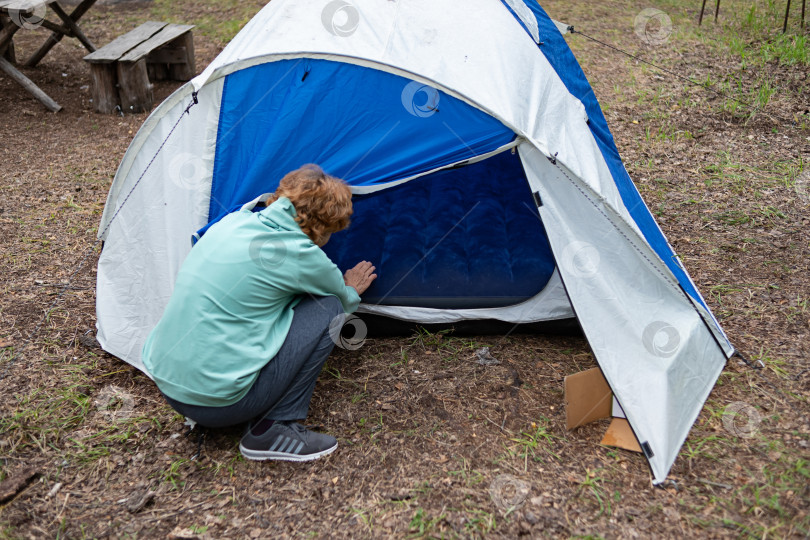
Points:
[287,441]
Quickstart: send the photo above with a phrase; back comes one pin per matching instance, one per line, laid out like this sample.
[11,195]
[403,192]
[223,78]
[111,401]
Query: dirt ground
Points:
[432,444]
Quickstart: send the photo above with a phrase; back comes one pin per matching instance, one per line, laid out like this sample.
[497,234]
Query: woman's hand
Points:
[360,277]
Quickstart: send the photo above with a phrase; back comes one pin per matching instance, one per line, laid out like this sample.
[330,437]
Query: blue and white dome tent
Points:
[487,186]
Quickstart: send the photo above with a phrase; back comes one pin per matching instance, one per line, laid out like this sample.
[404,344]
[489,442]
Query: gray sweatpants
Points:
[285,384]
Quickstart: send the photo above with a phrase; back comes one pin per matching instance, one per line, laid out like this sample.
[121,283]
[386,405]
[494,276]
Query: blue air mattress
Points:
[467,237]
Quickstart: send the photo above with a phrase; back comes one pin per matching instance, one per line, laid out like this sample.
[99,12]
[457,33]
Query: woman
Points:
[246,330]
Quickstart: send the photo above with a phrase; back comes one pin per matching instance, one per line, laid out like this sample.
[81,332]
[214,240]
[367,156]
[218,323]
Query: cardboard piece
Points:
[620,434]
[587,398]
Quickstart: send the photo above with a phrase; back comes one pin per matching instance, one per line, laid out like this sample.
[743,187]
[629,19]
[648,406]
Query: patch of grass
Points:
[466,474]
[449,348]
[365,516]
[744,102]
[479,522]
[799,310]
[593,484]
[42,416]
[427,340]
[422,524]
[666,133]
[700,448]
[755,34]
[229,465]
[403,359]
[535,443]
[776,365]
[719,291]
[220,20]
[331,371]
[89,447]
[175,473]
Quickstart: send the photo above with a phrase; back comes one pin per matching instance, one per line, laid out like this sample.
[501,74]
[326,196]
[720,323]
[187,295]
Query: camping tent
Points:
[487,185]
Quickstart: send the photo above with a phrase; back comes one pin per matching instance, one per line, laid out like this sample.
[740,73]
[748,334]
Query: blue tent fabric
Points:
[559,55]
[467,237]
[363,125]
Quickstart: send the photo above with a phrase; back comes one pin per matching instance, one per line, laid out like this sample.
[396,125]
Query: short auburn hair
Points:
[323,203]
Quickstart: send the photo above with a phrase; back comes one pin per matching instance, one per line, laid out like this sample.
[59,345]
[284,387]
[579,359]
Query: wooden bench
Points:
[123,69]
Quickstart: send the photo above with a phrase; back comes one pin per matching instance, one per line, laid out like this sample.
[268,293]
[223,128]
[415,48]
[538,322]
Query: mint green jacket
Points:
[232,305]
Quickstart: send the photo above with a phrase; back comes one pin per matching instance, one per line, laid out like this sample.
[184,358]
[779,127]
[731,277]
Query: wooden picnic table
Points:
[18,14]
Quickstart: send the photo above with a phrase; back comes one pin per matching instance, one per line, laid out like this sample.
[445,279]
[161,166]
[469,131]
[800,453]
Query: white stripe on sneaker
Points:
[278,442]
[289,446]
[299,447]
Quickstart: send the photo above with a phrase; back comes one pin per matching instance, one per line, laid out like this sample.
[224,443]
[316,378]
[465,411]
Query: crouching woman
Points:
[247,329]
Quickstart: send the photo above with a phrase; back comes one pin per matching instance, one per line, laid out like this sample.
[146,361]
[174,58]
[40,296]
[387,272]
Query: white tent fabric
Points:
[660,351]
